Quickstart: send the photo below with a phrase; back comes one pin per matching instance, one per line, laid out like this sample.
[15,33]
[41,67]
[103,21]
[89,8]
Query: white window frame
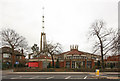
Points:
[6,55]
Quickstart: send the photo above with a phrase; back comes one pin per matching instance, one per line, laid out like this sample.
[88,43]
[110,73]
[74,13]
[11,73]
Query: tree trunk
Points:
[101,48]
[102,55]
[13,57]
[52,61]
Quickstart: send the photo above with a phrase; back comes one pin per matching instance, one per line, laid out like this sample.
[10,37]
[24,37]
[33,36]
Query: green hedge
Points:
[6,66]
[19,65]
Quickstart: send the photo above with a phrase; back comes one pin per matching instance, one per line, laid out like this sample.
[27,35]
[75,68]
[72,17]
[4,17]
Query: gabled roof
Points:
[64,53]
[76,52]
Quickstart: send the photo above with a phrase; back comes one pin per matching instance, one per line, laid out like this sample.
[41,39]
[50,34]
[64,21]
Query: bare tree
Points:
[14,40]
[53,49]
[104,38]
[35,50]
[116,43]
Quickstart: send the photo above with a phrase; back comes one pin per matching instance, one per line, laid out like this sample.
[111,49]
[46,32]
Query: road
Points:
[58,76]
[34,75]
[53,76]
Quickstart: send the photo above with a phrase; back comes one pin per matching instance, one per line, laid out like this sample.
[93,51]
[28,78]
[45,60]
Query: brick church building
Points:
[70,59]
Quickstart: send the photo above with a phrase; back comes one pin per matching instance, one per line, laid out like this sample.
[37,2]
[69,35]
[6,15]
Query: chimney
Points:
[73,47]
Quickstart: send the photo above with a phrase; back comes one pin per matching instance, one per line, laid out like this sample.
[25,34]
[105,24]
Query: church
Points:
[70,59]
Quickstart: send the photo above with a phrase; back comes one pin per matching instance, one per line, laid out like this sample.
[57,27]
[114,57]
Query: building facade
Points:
[113,61]
[70,59]
[78,59]
[6,54]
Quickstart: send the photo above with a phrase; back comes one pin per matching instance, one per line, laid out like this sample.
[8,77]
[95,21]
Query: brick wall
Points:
[93,64]
[40,64]
[61,64]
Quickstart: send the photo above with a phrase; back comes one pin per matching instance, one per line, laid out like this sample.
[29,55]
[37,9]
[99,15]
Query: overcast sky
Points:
[66,21]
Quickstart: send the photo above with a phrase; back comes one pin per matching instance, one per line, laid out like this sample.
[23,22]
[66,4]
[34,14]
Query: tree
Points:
[116,43]
[53,49]
[104,38]
[14,40]
[35,49]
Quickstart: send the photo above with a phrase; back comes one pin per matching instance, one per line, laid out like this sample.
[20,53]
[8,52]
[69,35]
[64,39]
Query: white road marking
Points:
[75,78]
[85,77]
[34,77]
[49,77]
[30,78]
[12,78]
[68,77]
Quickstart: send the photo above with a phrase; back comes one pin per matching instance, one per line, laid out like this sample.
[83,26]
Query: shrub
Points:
[6,66]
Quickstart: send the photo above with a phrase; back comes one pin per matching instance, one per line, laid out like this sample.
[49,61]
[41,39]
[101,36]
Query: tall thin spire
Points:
[43,20]
[43,35]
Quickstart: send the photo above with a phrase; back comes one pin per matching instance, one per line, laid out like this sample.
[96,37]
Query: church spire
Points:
[43,20]
[43,35]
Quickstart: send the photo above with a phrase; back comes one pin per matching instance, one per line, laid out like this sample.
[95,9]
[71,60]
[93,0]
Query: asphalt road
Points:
[53,76]
[5,75]
[82,76]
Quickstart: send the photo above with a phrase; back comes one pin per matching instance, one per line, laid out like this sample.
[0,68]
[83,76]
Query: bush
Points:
[6,66]
[19,65]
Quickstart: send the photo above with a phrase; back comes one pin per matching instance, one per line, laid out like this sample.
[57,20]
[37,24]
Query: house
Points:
[6,53]
[113,61]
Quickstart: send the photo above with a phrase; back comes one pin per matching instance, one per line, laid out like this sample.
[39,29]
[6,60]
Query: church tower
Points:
[43,36]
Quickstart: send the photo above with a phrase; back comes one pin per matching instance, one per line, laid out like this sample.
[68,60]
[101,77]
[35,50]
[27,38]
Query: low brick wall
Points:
[42,70]
[26,69]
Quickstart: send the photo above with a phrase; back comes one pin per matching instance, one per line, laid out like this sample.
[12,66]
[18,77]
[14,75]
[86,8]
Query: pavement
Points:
[9,74]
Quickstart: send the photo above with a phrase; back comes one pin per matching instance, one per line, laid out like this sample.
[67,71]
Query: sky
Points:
[66,21]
